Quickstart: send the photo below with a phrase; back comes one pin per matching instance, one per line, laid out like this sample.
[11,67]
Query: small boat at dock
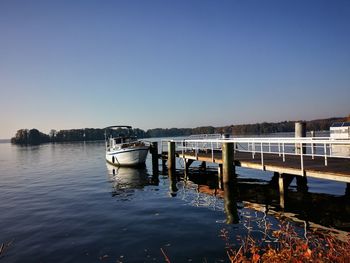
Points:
[125,150]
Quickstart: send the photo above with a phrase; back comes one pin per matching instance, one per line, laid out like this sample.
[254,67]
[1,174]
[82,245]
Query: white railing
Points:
[323,147]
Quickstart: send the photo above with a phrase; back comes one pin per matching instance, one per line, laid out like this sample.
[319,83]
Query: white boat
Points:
[340,131]
[125,150]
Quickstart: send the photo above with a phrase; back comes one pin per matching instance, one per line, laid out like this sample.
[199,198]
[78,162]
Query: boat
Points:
[340,131]
[125,150]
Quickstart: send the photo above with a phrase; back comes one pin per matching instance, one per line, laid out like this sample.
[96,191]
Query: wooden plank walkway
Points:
[337,169]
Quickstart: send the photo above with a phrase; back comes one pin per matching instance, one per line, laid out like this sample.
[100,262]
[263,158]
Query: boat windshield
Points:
[120,140]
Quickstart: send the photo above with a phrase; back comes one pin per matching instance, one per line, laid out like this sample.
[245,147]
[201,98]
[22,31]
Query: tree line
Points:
[34,136]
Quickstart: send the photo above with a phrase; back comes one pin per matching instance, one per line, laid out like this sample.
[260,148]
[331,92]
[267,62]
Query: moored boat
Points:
[125,150]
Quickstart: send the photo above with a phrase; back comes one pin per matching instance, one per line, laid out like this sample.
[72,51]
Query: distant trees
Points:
[34,136]
[322,124]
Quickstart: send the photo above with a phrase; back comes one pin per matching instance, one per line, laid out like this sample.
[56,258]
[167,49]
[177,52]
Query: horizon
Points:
[66,64]
[48,131]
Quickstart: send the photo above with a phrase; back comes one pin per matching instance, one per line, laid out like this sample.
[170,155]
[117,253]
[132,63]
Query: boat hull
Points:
[135,156]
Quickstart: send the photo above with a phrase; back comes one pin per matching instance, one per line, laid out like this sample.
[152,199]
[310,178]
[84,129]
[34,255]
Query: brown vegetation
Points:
[4,247]
[288,246]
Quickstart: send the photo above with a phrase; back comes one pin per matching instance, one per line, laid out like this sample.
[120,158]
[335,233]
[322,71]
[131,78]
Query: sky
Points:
[184,63]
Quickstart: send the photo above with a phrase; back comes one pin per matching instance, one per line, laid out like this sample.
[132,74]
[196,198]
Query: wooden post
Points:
[228,167]
[313,149]
[171,156]
[220,183]
[173,183]
[284,181]
[188,163]
[281,190]
[203,166]
[274,180]
[300,132]
[154,152]
[164,164]
[302,184]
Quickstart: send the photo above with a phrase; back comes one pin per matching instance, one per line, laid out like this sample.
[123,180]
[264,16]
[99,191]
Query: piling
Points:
[313,148]
[300,132]
[281,190]
[173,183]
[284,181]
[302,184]
[164,168]
[186,168]
[171,156]
[220,183]
[187,162]
[228,168]
[154,152]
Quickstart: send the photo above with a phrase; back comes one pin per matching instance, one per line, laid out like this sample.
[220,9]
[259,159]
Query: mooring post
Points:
[154,152]
[203,166]
[228,167]
[302,184]
[163,164]
[274,180]
[281,190]
[173,183]
[171,156]
[300,132]
[313,149]
[284,181]
[188,163]
[220,183]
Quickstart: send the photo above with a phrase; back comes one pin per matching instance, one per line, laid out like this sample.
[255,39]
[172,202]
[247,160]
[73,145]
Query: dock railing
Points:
[323,147]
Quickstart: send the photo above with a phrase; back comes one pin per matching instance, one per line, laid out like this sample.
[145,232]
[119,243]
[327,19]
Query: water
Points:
[62,203]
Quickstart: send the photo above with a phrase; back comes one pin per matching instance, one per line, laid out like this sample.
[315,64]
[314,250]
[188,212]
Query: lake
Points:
[62,203]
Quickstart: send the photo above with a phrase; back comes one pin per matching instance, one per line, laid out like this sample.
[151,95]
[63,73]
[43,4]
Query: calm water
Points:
[62,203]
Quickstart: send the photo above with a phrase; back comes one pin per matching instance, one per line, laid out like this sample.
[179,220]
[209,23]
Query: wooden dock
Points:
[297,157]
[337,169]
[287,158]
[303,160]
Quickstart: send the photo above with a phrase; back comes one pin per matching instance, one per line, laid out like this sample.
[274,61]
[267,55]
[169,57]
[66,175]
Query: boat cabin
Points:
[340,130]
[119,141]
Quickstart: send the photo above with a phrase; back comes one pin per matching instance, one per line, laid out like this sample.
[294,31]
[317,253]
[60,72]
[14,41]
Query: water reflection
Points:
[230,202]
[125,180]
[299,204]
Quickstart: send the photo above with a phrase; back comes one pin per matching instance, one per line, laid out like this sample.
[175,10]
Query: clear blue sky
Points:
[75,64]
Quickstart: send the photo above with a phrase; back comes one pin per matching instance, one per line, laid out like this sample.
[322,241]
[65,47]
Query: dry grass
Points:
[4,247]
[288,246]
